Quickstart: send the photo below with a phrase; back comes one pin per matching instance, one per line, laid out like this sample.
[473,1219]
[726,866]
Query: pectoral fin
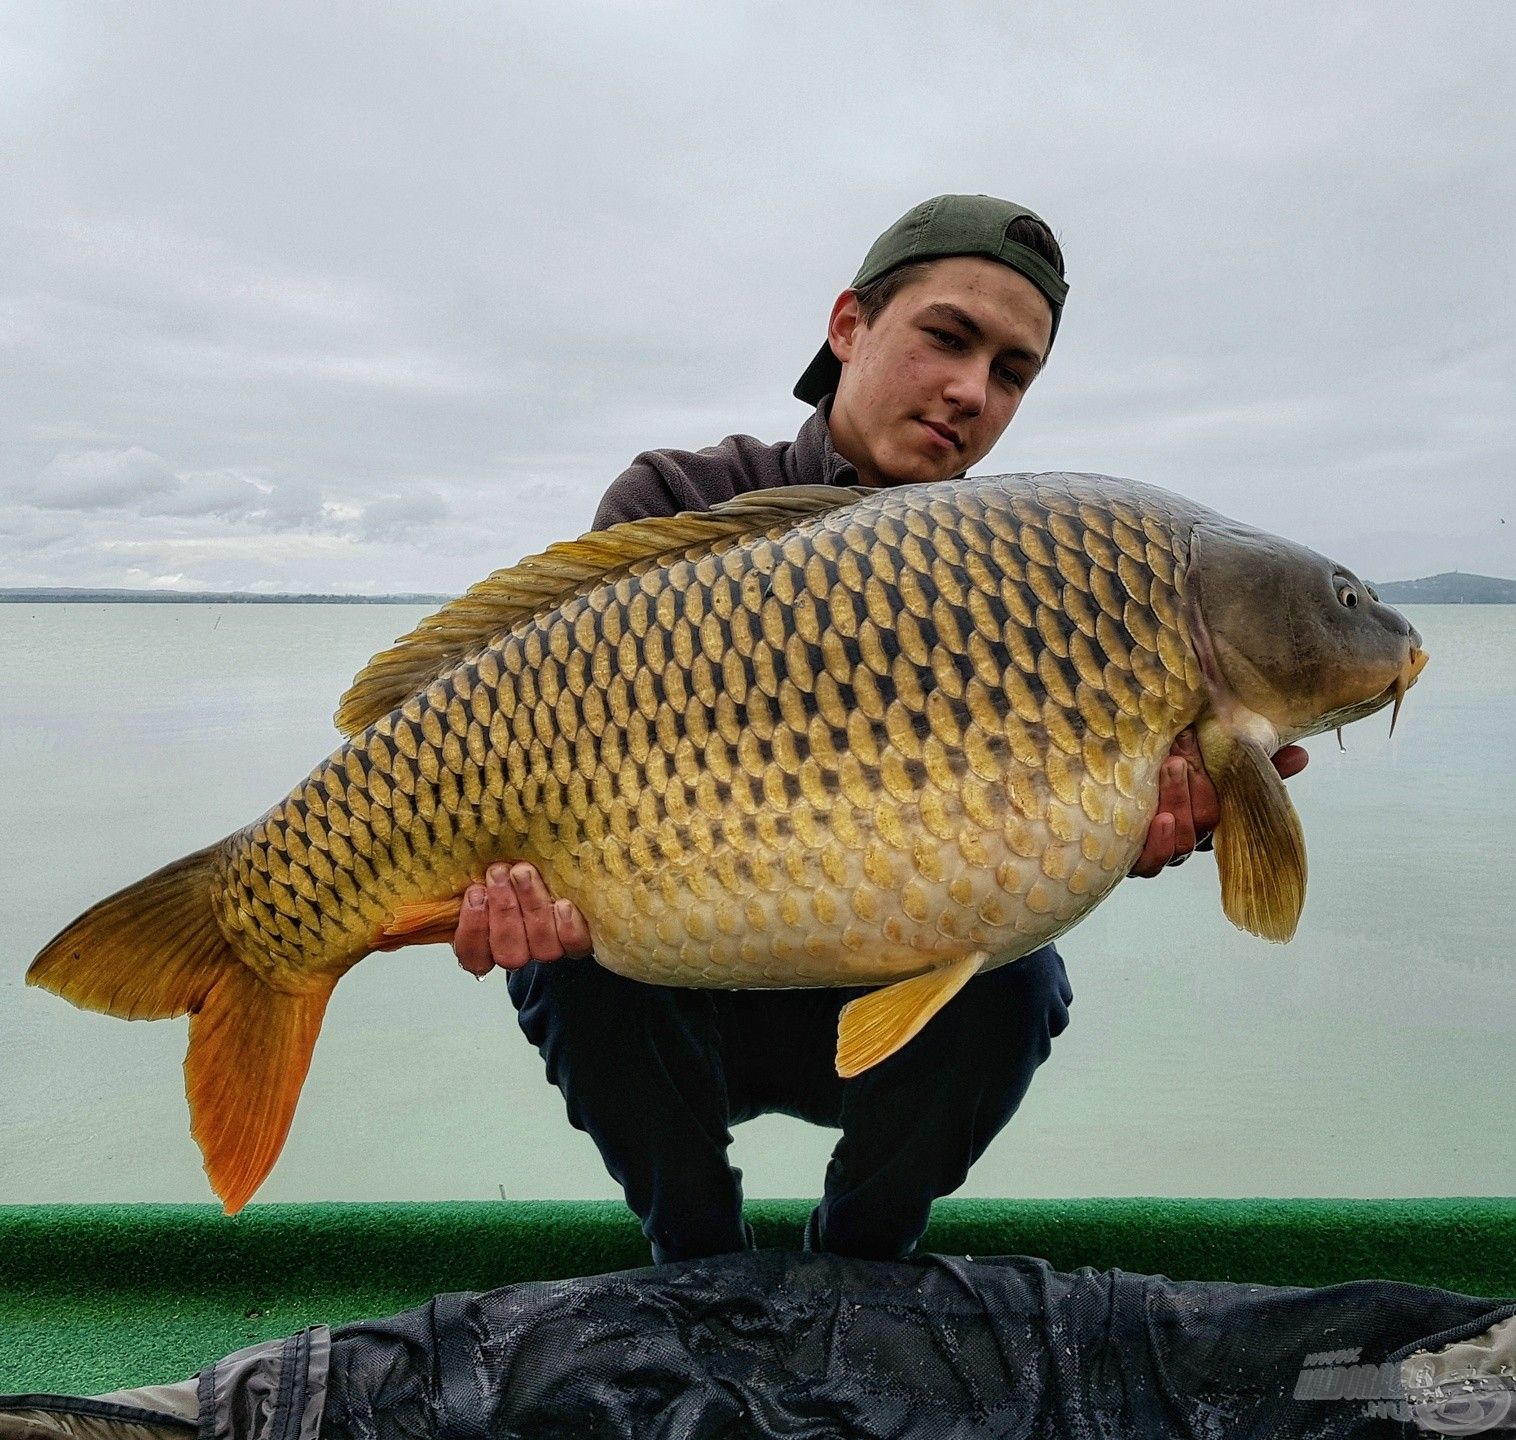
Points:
[1260,848]
[874,1026]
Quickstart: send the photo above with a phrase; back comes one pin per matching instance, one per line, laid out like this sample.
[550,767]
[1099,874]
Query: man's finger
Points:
[1157,849]
[508,947]
[1173,810]
[573,929]
[1184,811]
[536,913]
[471,941]
[1291,761]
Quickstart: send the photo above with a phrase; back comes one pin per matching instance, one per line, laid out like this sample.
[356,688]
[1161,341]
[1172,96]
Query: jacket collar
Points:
[813,460]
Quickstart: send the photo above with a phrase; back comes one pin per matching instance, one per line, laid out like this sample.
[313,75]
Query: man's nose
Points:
[967,388]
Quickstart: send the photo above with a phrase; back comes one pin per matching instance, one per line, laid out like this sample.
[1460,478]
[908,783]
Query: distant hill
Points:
[59,594]
[1451,589]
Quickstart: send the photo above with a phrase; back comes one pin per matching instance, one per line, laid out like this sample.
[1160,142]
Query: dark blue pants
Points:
[657,1077]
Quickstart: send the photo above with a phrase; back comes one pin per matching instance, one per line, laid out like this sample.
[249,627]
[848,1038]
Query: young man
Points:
[928,356]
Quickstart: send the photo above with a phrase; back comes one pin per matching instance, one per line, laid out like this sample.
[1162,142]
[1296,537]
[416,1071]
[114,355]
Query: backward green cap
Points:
[943,226]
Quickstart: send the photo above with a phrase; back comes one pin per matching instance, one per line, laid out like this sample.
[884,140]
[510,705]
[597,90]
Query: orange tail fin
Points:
[249,1050]
[147,952]
[155,950]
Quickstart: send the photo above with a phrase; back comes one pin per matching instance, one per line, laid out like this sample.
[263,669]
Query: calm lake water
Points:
[1374,1056]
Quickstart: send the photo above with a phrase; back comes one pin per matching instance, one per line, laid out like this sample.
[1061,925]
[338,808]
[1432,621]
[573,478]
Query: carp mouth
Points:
[1415,663]
[1393,694]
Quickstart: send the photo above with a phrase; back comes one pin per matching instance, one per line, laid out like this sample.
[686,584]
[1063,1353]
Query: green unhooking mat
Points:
[93,1298]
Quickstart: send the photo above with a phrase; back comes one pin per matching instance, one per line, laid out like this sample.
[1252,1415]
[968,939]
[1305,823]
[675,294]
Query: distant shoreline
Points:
[1452,588]
[63,596]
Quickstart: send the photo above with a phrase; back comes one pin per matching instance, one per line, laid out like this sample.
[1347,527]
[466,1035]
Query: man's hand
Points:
[1187,805]
[512,919]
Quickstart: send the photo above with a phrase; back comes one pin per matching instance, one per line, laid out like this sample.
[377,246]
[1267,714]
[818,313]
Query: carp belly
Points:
[868,915]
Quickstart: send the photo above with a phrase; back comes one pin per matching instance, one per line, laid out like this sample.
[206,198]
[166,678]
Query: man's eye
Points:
[1010,377]
[945,338]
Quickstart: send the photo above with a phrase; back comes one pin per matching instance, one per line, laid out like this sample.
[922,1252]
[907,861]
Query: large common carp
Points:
[818,736]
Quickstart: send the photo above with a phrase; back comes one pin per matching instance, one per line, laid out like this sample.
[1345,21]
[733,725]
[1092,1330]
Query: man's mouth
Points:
[945,433]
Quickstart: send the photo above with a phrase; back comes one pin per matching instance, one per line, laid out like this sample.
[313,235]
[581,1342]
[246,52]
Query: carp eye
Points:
[1347,594]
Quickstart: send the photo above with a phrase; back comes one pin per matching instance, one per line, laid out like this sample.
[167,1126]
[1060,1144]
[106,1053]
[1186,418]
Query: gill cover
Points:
[1230,586]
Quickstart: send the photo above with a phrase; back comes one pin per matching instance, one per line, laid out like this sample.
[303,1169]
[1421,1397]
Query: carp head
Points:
[1291,637]
[1289,644]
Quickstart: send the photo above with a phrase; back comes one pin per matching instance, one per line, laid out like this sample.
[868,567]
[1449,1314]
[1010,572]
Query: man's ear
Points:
[845,322]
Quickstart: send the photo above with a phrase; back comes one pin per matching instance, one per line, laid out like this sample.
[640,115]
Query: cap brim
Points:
[820,378]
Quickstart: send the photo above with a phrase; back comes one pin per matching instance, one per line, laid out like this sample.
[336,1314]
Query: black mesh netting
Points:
[771,1344]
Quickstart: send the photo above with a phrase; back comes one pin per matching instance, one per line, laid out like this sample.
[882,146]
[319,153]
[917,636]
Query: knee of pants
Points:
[723,1235]
[618,1049]
[532,990]
[1027,1000]
[597,1042]
[570,994]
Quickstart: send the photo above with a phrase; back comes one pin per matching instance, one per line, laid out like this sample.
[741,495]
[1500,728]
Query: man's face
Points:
[930,386]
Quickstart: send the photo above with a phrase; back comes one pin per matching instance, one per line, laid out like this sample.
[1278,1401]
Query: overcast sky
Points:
[376,297]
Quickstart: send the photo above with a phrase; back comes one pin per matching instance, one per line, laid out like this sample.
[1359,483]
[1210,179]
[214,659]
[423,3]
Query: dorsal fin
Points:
[541,582]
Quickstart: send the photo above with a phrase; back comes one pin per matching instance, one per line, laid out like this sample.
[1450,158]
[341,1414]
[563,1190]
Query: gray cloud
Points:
[102,480]
[125,494]
[419,287]
[213,493]
[401,517]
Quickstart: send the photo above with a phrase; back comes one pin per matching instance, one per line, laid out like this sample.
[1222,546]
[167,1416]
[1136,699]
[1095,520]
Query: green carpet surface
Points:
[93,1297]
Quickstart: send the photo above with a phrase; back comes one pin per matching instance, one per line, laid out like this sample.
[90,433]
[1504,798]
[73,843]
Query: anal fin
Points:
[423,922]
[874,1026]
